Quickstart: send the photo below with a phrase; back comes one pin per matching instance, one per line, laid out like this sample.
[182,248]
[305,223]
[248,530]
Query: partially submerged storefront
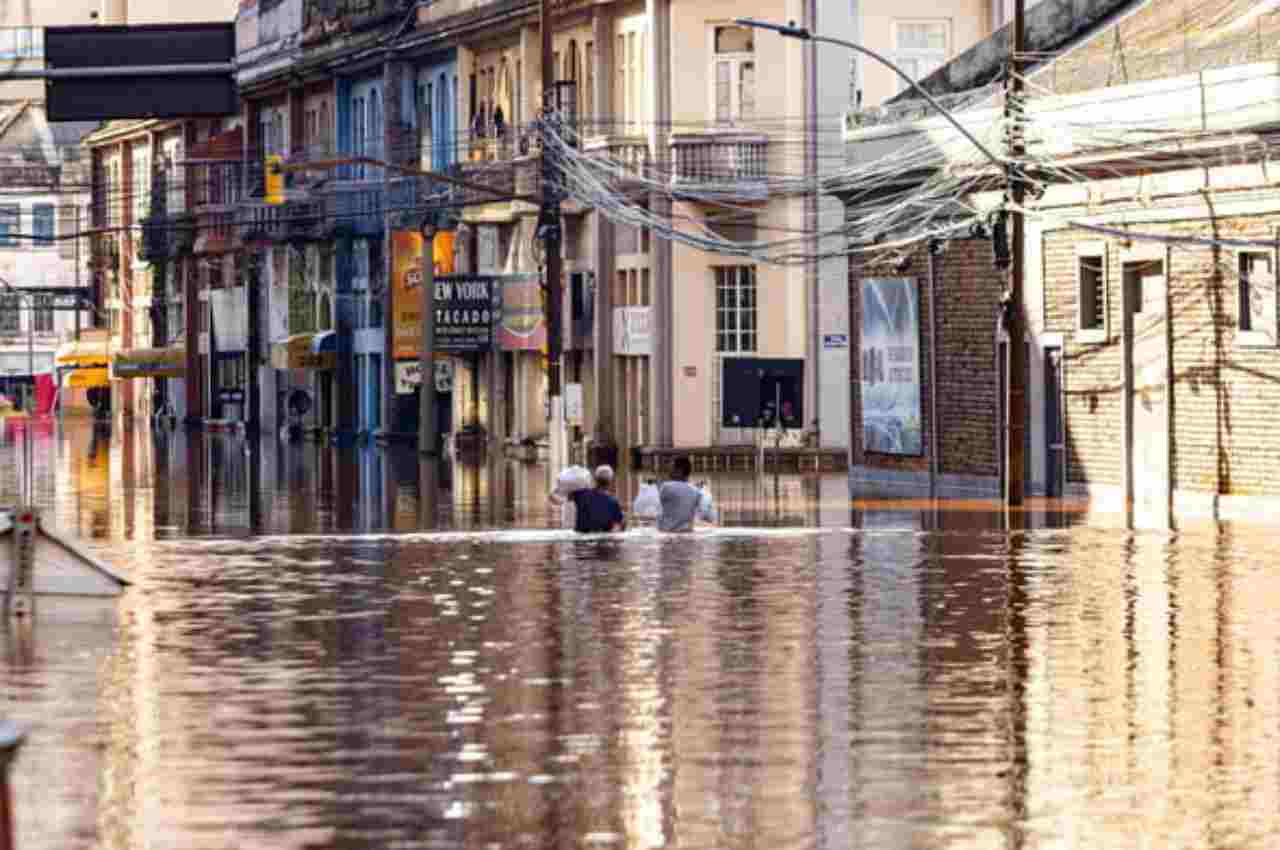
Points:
[82,373]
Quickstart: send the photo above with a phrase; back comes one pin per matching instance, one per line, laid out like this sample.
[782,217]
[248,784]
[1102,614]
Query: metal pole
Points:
[428,436]
[253,344]
[10,742]
[549,225]
[935,462]
[1015,407]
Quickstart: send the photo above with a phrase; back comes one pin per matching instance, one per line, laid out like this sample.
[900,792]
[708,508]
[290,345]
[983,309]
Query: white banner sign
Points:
[573,404]
[632,331]
[409,376]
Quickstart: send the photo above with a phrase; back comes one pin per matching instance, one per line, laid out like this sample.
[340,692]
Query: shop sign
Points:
[406,294]
[409,376]
[464,306]
[633,331]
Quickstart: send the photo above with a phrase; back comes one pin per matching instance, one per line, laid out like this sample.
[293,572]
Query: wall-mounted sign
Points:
[522,327]
[830,341]
[231,396]
[406,294]
[573,404]
[409,376]
[632,331]
[890,367]
[464,313]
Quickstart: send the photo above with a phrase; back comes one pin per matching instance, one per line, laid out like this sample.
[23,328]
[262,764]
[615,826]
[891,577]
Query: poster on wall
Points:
[522,328]
[890,367]
[406,294]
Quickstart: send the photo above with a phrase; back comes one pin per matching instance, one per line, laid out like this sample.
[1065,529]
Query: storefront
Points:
[309,360]
[82,373]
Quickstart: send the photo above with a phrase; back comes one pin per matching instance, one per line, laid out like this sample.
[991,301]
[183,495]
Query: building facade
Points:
[1152,321]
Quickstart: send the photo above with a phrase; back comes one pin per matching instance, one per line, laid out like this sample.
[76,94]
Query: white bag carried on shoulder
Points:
[572,479]
[648,503]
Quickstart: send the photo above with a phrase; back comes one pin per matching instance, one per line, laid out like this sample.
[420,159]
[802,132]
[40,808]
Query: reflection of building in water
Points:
[1151,698]
[889,720]
[742,669]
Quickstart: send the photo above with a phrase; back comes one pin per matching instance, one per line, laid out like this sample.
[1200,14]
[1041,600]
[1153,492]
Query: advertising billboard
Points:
[890,367]
[406,294]
[522,327]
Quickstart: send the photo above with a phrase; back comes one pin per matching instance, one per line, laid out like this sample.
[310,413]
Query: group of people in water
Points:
[680,505]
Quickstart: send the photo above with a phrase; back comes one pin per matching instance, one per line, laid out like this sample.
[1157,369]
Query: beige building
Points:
[681,94]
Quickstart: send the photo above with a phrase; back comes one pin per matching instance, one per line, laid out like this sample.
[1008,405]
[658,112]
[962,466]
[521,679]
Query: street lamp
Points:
[790,30]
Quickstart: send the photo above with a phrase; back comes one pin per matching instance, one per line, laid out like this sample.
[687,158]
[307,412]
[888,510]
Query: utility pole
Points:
[428,436]
[1015,326]
[549,231]
[253,344]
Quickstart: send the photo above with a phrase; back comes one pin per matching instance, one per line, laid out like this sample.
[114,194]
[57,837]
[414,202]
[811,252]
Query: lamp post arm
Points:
[792,31]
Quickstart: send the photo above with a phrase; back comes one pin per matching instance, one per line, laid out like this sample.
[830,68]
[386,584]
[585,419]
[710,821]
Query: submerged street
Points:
[810,674]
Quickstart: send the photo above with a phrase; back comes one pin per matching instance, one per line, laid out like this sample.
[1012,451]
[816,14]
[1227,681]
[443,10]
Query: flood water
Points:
[316,655]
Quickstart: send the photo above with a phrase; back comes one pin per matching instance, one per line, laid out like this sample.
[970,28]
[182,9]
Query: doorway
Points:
[1147,401]
[1055,430]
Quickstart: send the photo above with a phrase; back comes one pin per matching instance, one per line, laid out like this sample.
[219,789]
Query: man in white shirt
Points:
[682,503]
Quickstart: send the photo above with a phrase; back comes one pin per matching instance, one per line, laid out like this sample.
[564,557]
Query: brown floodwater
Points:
[329,649]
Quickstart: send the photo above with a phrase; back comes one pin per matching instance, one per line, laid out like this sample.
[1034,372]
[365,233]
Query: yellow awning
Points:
[149,363]
[298,352]
[85,379]
[83,352]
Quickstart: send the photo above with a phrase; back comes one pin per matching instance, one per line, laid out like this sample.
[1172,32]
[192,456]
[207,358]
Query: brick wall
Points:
[1224,394]
[969,292]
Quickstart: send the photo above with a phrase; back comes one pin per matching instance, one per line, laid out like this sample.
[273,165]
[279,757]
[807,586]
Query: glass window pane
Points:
[747,90]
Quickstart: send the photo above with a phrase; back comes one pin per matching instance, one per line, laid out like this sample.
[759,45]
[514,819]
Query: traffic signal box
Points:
[273,191]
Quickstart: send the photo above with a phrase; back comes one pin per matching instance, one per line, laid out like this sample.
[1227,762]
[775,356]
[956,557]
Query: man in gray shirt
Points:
[681,501]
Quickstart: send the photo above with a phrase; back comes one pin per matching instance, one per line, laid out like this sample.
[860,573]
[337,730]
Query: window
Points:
[631,62]
[113,193]
[10,314]
[1091,289]
[68,224]
[141,189]
[733,74]
[1257,319]
[920,47]
[176,201]
[10,215]
[42,226]
[42,314]
[588,97]
[735,309]
[326,131]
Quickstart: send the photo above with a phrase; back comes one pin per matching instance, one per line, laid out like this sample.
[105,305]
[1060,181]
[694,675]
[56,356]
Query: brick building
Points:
[1150,268]
[968,291]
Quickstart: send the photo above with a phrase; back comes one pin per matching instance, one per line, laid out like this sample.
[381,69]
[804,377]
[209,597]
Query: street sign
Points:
[573,404]
[98,73]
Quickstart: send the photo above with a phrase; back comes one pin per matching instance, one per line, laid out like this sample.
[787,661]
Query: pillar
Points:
[605,439]
[661,403]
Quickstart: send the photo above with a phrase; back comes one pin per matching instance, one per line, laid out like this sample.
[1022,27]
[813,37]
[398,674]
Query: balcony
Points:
[353,207]
[724,165]
[628,156]
[260,222]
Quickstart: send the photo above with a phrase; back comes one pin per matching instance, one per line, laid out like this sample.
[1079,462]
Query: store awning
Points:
[149,363]
[83,352]
[304,351]
[87,377]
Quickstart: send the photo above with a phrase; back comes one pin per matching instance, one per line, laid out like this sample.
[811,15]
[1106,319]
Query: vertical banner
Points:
[890,368]
[406,294]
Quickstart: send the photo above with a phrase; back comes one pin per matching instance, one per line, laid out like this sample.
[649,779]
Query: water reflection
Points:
[881,677]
